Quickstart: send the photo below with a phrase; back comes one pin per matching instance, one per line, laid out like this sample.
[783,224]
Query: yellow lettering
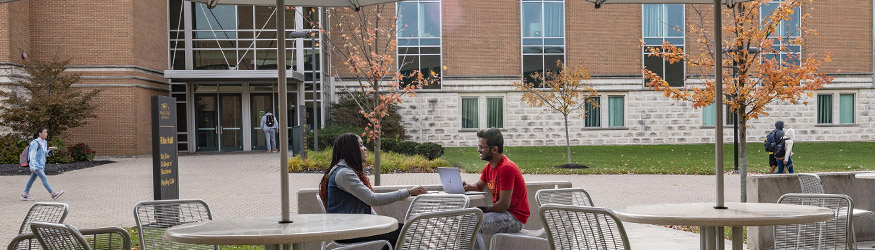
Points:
[166,171]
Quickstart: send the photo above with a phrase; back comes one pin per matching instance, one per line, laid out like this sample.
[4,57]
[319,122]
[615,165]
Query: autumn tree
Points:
[765,55]
[364,41]
[49,100]
[566,92]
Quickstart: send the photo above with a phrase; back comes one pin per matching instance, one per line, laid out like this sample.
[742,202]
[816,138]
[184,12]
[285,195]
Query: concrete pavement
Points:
[247,184]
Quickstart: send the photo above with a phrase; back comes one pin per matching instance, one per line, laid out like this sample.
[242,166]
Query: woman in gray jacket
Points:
[347,190]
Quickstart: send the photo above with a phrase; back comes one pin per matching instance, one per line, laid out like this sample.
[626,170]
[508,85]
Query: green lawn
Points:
[670,159]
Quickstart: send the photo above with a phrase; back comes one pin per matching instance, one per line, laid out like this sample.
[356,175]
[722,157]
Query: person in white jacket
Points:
[785,160]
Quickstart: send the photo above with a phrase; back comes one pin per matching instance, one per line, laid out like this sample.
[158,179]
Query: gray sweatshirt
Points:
[348,181]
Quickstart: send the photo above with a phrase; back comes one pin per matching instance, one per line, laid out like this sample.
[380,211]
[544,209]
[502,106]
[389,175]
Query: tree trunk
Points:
[567,140]
[742,156]
[376,161]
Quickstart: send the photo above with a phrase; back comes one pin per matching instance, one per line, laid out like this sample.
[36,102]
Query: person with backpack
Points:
[38,150]
[784,152]
[771,142]
[269,126]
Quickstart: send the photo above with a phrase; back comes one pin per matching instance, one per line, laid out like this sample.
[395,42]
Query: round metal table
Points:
[269,232]
[737,215]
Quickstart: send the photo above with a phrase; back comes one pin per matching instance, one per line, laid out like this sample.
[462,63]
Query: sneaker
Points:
[26,197]
[57,194]
[276,150]
[268,150]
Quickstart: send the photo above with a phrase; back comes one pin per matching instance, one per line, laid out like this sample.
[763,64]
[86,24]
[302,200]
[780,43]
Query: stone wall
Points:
[650,118]
[9,74]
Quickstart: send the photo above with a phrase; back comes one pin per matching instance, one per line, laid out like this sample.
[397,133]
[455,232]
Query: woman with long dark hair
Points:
[345,189]
[36,160]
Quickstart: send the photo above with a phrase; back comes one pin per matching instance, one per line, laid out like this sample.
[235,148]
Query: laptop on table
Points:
[451,179]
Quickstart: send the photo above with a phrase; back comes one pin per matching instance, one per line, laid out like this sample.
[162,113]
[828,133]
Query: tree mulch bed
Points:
[572,166]
[51,168]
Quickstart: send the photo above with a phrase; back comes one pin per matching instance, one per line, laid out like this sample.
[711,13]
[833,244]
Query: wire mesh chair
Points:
[376,244]
[155,217]
[576,227]
[564,196]
[837,233]
[54,236]
[436,202]
[445,230]
[106,238]
[812,184]
[40,211]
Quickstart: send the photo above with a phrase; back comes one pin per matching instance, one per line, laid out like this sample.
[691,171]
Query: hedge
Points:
[391,162]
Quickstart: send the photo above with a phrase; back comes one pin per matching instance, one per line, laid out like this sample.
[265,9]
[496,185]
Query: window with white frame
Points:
[709,118]
[470,114]
[784,50]
[616,111]
[419,39]
[663,23]
[495,112]
[826,111]
[543,36]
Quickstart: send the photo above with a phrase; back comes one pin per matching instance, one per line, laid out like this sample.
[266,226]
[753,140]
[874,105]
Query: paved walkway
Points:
[238,185]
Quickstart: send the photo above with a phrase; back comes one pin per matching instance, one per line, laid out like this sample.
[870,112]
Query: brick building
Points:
[220,64]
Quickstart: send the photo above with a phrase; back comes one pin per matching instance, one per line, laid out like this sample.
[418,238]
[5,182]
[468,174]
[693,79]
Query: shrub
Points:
[81,152]
[11,146]
[345,112]
[430,150]
[60,155]
[406,147]
[389,144]
[391,162]
[329,134]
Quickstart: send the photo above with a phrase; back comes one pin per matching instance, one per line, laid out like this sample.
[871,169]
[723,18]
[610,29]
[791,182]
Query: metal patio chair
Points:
[837,233]
[376,244]
[812,184]
[155,217]
[436,202]
[61,236]
[443,230]
[577,227]
[40,211]
[537,238]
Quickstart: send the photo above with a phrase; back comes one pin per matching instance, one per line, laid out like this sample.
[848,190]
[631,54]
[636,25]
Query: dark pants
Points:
[392,237]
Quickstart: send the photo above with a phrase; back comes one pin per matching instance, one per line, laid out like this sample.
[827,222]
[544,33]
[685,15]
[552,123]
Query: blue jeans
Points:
[42,176]
[494,223]
[781,165]
[270,138]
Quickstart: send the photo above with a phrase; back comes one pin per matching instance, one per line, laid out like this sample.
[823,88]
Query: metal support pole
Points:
[737,238]
[313,37]
[718,97]
[284,108]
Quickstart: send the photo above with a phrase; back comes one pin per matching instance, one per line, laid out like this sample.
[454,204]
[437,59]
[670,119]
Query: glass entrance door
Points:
[259,105]
[219,122]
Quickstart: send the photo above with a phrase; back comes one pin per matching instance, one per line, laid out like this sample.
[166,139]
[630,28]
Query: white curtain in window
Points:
[554,19]
[653,20]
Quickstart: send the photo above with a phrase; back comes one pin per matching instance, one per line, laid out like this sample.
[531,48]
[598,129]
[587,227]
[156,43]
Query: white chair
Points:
[837,233]
[577,227]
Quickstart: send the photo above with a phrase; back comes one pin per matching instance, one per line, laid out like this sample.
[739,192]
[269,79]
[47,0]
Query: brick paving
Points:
[247,184]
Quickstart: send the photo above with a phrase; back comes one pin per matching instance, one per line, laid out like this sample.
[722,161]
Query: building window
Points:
[846,108]
[469,112]
[543,36]
[709,118]
[593,113]
[785,32]
[419,39]
[616,115]
[824,109]
[495,112]
[663,23]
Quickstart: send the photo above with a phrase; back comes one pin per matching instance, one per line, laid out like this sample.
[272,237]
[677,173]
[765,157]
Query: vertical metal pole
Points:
[284,110]
[737,238]
[718,97]
[718,235]
[313,37]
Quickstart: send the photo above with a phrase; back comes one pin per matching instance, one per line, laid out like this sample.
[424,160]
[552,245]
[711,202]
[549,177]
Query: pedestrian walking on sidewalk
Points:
[38,150]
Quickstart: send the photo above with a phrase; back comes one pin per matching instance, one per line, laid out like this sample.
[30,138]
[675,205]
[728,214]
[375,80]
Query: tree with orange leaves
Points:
[365,42]
[565,92]
[763,53]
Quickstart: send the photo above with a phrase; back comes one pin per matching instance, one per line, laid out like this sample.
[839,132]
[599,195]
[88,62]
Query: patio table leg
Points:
[737,238]
[708,239]
[721,241]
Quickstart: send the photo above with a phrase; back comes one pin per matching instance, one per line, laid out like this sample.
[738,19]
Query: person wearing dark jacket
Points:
[347,190]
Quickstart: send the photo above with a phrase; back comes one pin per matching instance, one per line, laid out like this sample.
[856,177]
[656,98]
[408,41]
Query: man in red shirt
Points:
[510,208]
